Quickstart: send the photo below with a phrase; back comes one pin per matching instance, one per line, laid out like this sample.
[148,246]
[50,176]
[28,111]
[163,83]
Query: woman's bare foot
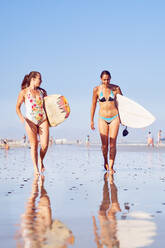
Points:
[112,171]
[106,166]
[42,168]
[105,176]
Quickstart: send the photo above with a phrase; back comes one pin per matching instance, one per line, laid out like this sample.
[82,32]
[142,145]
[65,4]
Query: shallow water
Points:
[77,204]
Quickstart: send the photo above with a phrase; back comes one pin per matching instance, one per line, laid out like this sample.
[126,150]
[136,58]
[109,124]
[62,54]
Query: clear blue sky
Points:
[70,43]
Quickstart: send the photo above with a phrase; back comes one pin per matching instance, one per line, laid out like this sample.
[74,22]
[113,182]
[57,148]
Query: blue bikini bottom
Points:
[108,120]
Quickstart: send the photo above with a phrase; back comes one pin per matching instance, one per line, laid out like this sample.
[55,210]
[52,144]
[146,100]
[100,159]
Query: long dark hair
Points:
[105,73]
[28,77]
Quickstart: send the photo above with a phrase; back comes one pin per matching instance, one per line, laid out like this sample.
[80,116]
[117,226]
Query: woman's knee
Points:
[104,147]
[44,147]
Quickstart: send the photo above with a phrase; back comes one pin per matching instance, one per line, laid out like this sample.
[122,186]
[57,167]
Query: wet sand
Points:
[77,204]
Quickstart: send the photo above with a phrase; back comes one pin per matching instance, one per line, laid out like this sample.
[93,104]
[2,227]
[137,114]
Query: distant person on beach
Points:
[159,137]
[150,139]
[6,145]
[51,141]
[108,121]
[35,120]
[87,140]
[24,139]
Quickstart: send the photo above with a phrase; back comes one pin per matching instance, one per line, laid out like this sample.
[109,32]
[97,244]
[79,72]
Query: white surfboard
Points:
[57,109]
[133,114]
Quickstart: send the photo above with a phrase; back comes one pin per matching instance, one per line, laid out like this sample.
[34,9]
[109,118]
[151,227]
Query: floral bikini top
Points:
[34,108]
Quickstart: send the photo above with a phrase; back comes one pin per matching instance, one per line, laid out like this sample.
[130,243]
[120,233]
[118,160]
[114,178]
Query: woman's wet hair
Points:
[105,73]
[28,77]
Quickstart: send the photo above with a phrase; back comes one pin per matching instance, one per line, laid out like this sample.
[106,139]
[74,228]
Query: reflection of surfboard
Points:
[57,109]
[133,114]
[141,228]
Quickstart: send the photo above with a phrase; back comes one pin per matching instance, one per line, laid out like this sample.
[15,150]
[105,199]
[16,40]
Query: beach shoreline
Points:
[19,144]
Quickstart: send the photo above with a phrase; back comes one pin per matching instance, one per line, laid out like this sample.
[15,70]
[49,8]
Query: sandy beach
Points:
[77,204]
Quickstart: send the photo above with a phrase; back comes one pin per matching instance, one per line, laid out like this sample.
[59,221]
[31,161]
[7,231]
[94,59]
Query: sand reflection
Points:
[107,216]
[135,229]
[136,232]
[37,228]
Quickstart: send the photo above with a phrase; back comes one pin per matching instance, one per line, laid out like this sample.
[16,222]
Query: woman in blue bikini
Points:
[109,120]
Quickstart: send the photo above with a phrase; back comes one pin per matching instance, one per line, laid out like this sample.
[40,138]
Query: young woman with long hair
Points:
[109,120]
[35,121]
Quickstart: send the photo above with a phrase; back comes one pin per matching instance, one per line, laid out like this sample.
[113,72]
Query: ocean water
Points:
[77,204]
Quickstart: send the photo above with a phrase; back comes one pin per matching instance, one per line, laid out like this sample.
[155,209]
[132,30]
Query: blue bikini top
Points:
[103,99]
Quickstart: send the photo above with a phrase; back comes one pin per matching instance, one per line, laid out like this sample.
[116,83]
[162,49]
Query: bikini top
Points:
[103,99]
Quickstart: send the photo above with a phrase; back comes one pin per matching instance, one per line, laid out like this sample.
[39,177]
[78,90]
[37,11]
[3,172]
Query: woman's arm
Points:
[20,100]
[93,107]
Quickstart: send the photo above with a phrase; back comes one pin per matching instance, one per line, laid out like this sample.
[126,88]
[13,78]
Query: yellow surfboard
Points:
[57,109]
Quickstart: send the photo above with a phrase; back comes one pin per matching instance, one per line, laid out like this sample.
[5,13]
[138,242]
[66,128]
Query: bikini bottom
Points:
[108,120]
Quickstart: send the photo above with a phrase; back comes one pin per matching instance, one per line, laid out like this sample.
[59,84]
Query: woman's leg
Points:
[103,129]
[31,130]
[113,132]
[44,141]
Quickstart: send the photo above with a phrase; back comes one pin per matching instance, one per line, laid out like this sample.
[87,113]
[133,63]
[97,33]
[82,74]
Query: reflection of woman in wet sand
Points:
[35,121]
[107,216]
[108,117]
[38,230]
